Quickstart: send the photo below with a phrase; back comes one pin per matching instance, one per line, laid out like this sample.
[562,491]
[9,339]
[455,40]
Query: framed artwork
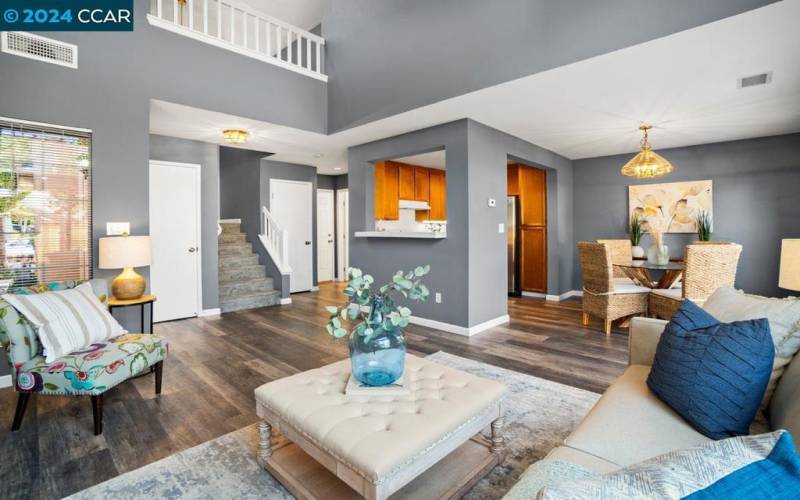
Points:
[673,205]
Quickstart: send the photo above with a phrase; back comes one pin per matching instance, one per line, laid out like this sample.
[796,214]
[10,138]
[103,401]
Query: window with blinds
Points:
[45,204]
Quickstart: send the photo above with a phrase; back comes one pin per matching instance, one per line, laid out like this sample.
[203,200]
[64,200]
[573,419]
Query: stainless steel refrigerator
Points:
[512,243]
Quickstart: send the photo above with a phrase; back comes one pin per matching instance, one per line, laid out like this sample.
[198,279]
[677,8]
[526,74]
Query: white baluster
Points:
[191,14]
[160,9]
[269,39]
[244,29]
[308,54]
[205,17]
[258,35]
[219,19]
[319,57]
[175,11]
[233,24]
[289,44]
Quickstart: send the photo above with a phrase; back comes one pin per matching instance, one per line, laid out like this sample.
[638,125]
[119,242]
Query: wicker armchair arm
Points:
[643,340]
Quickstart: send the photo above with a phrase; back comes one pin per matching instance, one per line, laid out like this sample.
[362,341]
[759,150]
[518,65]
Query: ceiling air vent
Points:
[40,48]
[752,81]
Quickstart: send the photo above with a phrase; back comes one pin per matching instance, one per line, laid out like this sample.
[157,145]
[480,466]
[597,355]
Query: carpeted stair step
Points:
[230,227]
[227,238]
[241,272]
[229,261]
[250,301]
[230,289]
[238,248]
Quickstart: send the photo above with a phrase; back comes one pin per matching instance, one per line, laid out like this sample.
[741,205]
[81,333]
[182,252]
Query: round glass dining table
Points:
[639,272]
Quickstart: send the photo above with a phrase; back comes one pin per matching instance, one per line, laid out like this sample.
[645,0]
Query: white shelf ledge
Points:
[400,234]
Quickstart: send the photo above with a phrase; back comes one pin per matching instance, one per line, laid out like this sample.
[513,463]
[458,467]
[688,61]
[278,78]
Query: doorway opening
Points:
[526,222]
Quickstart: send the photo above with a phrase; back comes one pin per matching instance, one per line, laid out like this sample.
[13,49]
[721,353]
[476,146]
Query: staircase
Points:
[243,283]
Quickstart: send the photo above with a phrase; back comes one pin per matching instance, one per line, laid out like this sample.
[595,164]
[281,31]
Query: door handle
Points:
[308,242]
[192,249]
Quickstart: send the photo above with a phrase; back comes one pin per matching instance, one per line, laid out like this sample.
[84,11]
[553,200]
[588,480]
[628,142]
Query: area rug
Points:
[539,415]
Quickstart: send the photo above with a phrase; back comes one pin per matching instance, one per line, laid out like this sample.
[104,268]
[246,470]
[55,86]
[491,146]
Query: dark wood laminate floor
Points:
[217,362]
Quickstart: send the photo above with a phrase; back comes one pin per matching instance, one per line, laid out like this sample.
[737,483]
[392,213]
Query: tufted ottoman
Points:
[425,445]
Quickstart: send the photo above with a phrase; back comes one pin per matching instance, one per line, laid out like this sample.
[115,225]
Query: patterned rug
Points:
[539,415]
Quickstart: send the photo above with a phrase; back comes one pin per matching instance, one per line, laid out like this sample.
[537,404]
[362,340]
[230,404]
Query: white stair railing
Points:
[275,240]
[234,26]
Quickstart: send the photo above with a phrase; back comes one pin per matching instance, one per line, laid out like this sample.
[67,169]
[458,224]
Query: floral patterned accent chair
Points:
[89,372]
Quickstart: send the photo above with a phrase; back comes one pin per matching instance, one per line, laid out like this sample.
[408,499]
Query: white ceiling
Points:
[434,159]
[304,14]
[684,84]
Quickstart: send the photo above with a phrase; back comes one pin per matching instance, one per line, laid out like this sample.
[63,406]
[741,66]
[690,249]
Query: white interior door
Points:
[291,204]
[342,230]
[176,271]
[326,267]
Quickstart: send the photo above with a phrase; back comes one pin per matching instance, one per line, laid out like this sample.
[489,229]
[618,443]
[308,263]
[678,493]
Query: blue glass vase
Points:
[377,359]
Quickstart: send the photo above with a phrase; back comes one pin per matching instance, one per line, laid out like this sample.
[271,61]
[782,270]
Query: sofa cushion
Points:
[763,466]
[94,369]
[727,304]
[581,459]
[713,374]
[784,409]
[630,424]
[66,320]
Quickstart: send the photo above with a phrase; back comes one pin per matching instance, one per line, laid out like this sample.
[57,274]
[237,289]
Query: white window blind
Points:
[45,204]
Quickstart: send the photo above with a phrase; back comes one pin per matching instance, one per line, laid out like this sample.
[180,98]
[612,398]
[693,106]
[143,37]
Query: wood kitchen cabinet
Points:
[438,195]
[387,199]
[406,181]
[530,186]
[421,184]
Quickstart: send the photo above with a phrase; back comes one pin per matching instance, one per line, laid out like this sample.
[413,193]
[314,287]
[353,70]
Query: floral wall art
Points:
[670,207]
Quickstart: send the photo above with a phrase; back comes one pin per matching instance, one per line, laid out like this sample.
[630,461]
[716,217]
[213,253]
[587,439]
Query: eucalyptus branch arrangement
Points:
[636,229]
[703,221]
[369,309]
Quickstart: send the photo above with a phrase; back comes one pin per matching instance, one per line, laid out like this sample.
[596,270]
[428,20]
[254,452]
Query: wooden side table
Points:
[141,301]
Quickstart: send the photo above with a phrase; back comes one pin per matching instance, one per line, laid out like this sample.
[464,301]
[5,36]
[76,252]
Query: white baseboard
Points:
[5,381]
[554,298]
[286,300]
[230,221]
[460,330]
[315,288]
[210,312]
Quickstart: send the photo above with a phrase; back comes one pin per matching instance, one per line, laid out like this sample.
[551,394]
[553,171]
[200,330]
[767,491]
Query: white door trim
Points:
[272,182]
[342,242]
[332,193]
[199,212]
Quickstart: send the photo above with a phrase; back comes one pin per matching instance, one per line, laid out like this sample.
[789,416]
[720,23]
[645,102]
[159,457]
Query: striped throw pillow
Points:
[66,320]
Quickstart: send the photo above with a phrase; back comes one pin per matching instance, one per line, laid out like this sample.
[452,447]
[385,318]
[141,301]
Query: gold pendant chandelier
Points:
[647,164]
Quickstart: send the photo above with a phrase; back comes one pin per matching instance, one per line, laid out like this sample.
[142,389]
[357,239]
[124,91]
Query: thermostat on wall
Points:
[118,228]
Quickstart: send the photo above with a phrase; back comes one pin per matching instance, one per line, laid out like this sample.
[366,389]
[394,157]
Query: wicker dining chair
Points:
[621,253]
[707,267]
[604,297]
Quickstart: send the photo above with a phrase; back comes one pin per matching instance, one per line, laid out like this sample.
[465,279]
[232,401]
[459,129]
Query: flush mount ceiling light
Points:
[647,164]
[235,136]
[318,155]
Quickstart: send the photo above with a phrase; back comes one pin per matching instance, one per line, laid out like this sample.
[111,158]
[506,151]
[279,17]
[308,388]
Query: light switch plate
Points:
[501,228]
[492,202]
[438,298]
[118,228]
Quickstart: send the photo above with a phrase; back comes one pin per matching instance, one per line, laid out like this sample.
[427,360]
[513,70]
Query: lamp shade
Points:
[117,252]
[790,265]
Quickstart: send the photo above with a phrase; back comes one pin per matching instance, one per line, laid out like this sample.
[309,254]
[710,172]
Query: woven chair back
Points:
[709,267]
[621,253]
[597,267]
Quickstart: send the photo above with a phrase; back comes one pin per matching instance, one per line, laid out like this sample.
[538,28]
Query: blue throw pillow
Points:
[713,374]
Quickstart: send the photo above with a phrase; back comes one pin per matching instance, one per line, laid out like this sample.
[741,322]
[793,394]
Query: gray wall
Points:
[469,267]
[489,151]
[447,257]
[291,172]
[207,155]
[756,201]
[387,56]
[110,94]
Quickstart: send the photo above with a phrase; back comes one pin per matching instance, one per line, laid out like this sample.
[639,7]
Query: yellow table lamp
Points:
[789,277]
[125,252]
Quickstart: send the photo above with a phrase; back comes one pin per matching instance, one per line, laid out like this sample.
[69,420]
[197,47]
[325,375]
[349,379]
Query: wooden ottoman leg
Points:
[159,367]
[585,319]
[498,441]
[22,404]
[264,442]
[97,413]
